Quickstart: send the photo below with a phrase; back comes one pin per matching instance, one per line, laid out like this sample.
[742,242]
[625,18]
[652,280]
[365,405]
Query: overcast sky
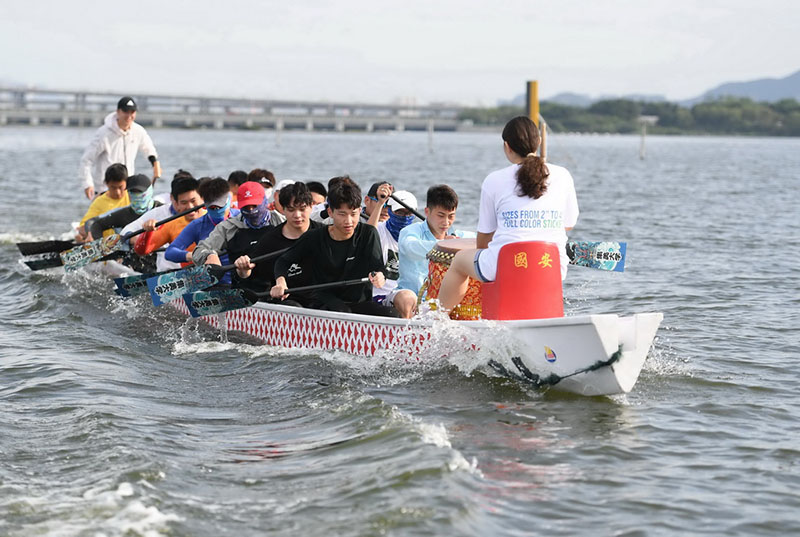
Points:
[461,51]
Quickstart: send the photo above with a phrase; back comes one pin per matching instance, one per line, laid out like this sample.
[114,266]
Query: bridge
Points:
[30,106]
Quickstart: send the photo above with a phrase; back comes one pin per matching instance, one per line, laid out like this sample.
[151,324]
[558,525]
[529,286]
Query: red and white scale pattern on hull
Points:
[295,330]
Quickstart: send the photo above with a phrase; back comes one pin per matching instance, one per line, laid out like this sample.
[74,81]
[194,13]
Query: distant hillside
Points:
[583,101]
[571,99]
[768,90]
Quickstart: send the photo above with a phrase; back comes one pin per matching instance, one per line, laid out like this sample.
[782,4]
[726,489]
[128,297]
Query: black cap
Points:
[126,104]
[373,190]
[138,182]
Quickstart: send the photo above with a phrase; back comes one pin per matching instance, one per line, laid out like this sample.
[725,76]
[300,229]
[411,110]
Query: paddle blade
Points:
[216,301]
[54,260]
[174,285]
[135,285]
[598,255]
[44,247]
[82,255]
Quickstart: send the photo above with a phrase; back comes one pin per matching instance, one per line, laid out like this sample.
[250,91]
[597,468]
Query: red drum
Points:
[439,259]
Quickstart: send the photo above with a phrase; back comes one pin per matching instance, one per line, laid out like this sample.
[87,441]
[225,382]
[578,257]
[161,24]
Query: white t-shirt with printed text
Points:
[389,249]
[515,218]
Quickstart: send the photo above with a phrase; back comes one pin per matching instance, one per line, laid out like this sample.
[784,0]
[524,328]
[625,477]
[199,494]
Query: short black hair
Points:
[211,189]
[347,194]
[115,173]
[316,187]
[333,181]
[182,173]
[237,177]
[181,185]
[442,196]
[295,194]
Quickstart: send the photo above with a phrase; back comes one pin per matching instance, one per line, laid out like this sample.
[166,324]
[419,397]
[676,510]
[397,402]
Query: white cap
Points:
[220,201]
[406,197]
[283,183]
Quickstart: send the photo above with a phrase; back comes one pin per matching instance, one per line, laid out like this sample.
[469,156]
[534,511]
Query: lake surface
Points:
[120,419]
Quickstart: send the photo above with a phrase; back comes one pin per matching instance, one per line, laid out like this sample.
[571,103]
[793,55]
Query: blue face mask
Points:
[396,223]
[218,215]
[257,216]
[141,202]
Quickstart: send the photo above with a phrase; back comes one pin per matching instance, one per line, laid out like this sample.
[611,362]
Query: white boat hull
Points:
[560,346]
[574,349]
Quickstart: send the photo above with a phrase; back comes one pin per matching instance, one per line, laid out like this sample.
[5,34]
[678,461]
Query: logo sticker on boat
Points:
[549,354]
[546,261]
[521,260]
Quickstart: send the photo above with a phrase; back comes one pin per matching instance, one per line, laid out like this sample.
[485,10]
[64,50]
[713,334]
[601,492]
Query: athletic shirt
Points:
[331,260]
[263,276]
[242,243]
[515,218]
[389,249]
[103,204]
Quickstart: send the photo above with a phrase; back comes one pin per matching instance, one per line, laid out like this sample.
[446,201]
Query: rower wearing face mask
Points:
[215,193]
[399,217]
[239,234]
[140,192]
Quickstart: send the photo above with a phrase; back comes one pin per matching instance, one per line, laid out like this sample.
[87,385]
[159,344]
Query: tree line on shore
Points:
[730,115]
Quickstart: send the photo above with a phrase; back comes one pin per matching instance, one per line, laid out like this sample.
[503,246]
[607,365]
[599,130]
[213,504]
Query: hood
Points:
[237,221]
[111,123]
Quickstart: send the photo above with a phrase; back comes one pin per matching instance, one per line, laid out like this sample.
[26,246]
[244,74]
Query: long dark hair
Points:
[522,137]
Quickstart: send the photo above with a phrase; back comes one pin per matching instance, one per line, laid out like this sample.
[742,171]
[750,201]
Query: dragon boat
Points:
[514,326]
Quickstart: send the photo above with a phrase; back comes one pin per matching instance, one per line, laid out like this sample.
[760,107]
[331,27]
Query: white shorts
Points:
[486,265]
[387,300]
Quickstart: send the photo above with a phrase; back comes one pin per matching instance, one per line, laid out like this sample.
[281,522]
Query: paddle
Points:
[44,247]
[598,255]
[221,300]
[168,287]
[136,284]
[84,254]
[54,259]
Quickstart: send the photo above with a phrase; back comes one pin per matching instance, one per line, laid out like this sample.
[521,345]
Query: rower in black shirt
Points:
[345,250]
[297,202]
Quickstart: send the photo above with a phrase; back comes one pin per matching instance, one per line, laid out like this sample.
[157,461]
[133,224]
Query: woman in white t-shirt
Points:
[527,201]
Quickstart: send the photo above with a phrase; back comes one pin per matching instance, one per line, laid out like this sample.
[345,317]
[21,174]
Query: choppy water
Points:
[118,419]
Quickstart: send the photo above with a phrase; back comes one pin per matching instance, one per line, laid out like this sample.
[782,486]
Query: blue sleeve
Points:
[176,252]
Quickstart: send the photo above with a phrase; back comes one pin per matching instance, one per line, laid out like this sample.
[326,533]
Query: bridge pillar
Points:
[158,122]
[370,126]
[219,123]
[188,122]
[340,126]
[65,120]
[309,124]
[19,100]
[249,123]
[400,126]
[3,119]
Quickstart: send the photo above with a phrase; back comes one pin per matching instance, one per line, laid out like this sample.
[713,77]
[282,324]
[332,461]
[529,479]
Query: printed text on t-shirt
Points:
[533,219]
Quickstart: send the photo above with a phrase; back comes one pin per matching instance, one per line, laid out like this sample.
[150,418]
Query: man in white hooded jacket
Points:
[117,141]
